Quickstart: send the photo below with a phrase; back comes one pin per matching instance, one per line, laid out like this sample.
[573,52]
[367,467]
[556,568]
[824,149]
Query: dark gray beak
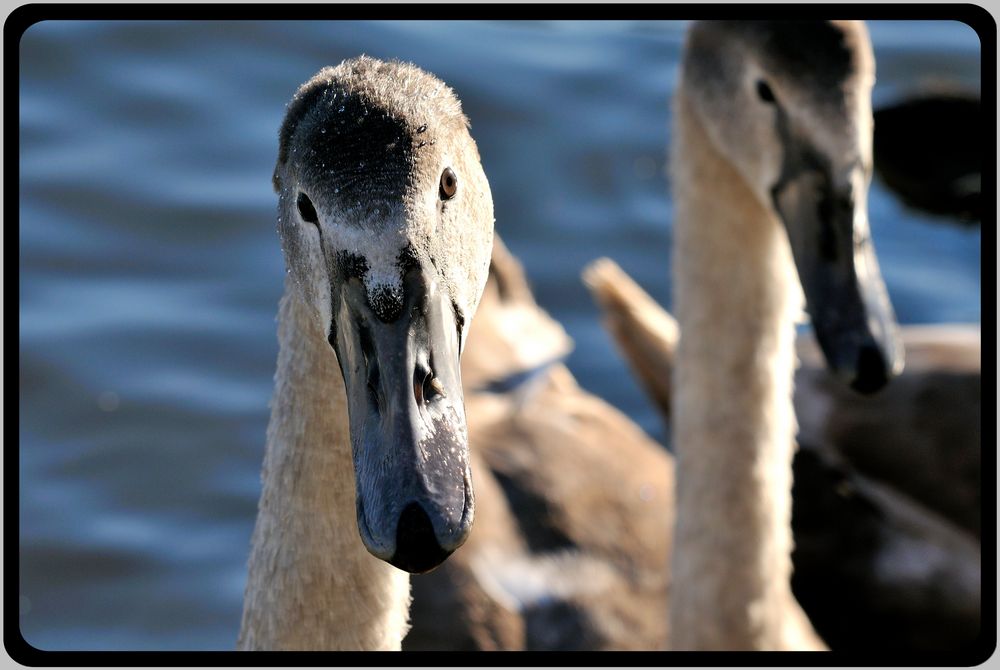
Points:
[845,295]
[407,417]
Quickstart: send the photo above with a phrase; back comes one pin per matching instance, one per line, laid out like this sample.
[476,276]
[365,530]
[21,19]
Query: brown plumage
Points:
[572,534]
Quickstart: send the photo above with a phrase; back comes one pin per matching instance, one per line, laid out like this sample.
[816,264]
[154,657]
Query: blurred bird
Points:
[928,149]
[886,489]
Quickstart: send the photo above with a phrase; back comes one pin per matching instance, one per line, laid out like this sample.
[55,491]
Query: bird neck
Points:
[312,584]
[737,296]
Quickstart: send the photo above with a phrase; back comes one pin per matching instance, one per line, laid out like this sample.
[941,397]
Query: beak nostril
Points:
[428,388]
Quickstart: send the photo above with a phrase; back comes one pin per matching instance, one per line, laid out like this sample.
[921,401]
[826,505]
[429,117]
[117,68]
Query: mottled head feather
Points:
[396,93]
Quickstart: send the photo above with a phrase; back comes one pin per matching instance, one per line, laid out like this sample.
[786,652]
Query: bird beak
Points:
[407,419]
[845,295]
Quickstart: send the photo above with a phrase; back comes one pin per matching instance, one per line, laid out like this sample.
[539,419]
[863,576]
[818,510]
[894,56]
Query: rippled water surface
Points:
[150,268]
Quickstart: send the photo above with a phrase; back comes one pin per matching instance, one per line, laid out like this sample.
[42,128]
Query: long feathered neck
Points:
[736,295]
[312,584]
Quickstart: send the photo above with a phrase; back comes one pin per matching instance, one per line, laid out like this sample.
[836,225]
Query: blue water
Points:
[150,268]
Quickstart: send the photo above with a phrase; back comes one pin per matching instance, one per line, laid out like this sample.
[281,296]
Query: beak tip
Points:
[873,369]
[421,567]
[418,549]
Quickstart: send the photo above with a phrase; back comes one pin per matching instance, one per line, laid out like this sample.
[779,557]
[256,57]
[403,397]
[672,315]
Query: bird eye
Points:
[306,209]
[764,91]
[449,184]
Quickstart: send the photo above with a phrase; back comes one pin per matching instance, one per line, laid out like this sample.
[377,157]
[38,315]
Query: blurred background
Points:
[150,268]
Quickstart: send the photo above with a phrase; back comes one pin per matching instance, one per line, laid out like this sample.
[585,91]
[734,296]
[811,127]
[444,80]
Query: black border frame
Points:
[976,17]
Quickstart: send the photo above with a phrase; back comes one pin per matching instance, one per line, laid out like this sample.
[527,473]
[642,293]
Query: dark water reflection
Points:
[150,268]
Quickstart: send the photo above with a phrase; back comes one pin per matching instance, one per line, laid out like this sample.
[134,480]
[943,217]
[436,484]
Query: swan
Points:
[886,495]
[386,222]
[572,500]
[770,163]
